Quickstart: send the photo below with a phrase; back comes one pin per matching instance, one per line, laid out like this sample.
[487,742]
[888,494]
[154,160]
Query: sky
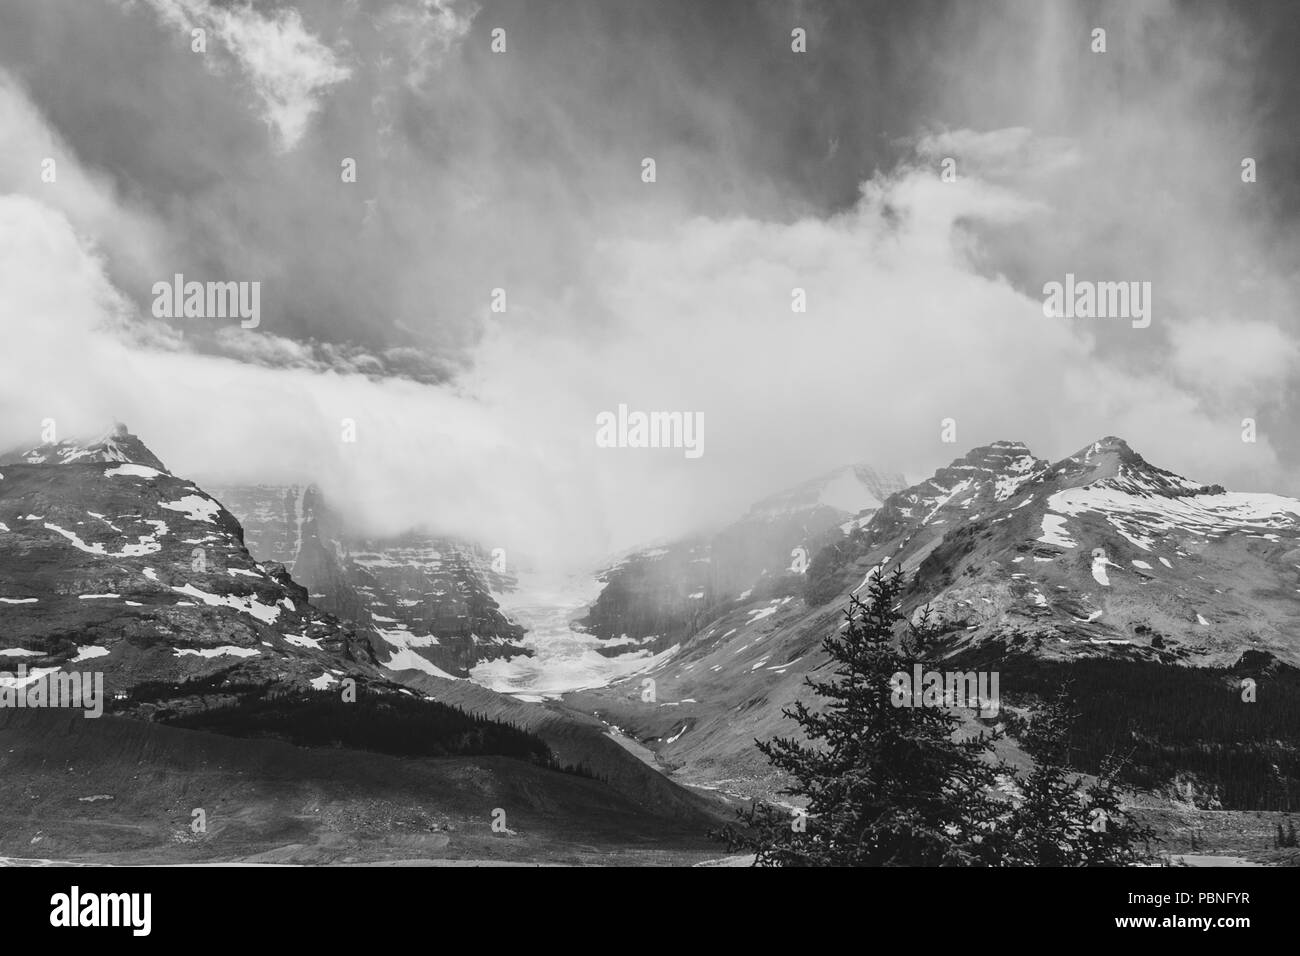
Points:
[521,169]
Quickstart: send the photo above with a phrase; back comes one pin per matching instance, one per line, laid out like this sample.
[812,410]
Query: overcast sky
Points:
[522,170]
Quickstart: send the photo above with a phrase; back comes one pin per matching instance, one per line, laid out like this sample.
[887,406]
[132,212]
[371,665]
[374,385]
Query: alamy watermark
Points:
[75,909]
[965,690]
[50,689]
[626,429]
[208,300]
[1084,299]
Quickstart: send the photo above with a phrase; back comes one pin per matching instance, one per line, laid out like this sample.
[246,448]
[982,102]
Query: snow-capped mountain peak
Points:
[1110,463]
[117,444]
[987,474]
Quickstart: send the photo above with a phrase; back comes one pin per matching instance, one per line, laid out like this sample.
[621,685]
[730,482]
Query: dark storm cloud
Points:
[479,170]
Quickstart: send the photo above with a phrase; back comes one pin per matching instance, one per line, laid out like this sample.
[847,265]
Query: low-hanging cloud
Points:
[900,333]
[923,295]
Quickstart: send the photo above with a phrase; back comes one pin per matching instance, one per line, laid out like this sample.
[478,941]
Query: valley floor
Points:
[123,792]
[126,792]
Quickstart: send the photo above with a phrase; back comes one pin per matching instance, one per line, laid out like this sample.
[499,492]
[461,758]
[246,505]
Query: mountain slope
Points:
[124,792]
[1104,550]
[118,566]
[430,598]
[1098,557]
[123,569]
[659,597]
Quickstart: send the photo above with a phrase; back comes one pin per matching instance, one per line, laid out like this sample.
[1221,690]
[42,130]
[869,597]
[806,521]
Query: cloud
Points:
[1014,151]
[425,455]
[424,31]
[1234,359]
[91,199]
[900,333]
[287,66]
[522,172]
[57,310]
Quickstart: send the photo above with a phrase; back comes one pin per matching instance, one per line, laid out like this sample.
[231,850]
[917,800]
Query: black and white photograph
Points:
[650,434]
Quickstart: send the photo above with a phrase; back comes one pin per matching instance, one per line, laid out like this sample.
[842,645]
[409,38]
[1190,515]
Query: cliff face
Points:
[431,599]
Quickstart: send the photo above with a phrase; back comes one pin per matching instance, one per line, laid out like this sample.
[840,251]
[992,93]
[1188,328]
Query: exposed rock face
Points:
[110,563]
[429,598]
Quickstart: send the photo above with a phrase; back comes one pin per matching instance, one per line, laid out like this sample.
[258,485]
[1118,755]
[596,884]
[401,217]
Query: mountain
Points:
[112,565]
[115,445]
[1099,550]
[1100,567]
[657,598]
[917,517]
[108,562]
[431,599]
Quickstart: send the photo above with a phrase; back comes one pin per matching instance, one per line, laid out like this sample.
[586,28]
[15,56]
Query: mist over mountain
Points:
[922,295]
[433,599]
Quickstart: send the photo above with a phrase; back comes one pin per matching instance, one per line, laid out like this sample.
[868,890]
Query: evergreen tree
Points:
[1059,821]
[886,784]
[883,784]
[1114,837]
